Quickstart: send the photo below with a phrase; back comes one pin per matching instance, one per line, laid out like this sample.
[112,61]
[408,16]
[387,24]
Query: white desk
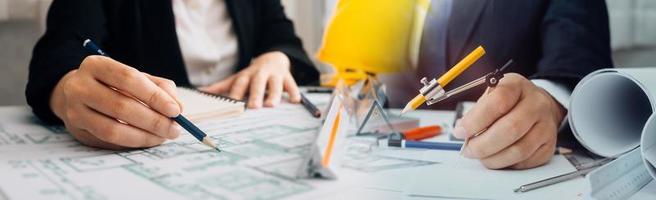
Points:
[37,163]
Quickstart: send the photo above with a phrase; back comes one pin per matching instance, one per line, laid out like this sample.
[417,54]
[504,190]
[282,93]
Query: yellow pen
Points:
[434,89]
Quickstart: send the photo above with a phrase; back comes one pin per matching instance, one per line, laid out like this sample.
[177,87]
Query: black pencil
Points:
[310,107]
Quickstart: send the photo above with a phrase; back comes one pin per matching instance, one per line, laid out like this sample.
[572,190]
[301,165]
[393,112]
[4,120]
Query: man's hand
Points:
[522,122]
[268,73]
[100,116]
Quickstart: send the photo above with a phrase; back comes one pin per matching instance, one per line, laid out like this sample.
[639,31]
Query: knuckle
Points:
[129,74]
[154,97]
[157,125]
[262,75]
[517,153]
[169,83]
[112,133]
[241,80]
[120,106]
[514,128]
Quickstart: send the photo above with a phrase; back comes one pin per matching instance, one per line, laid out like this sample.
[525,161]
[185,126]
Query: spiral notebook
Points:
[198,106]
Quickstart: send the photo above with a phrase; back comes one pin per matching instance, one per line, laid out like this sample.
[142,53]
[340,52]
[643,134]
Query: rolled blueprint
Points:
[648,145]
[611,113]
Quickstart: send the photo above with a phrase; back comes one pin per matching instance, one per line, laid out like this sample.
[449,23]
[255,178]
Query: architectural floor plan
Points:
[261,152]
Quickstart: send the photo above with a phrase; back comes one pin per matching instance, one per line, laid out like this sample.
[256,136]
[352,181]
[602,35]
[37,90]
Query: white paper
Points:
[469,179]
[261,149]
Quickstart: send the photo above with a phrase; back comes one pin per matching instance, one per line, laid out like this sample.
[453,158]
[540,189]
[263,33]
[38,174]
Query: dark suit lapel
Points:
[465,15]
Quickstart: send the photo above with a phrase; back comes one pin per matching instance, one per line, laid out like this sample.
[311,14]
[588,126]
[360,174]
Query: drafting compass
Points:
[491,80]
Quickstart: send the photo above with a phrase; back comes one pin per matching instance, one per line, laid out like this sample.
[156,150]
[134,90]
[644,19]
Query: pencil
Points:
[447,77]
[310,107]
[195,131]
[186,124]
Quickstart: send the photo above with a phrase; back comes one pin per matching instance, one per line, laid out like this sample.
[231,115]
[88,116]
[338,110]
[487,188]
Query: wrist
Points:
[557,109]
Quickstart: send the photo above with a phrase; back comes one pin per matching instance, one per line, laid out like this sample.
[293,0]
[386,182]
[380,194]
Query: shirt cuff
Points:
[558,91]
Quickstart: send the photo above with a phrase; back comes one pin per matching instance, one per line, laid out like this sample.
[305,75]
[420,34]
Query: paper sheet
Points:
[36,163]
[261,150]
[469,179]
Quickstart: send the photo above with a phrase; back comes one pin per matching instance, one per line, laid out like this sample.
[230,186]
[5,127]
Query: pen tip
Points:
[519,190]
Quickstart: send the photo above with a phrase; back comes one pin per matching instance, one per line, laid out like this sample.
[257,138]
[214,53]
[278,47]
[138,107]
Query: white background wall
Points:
[633,31]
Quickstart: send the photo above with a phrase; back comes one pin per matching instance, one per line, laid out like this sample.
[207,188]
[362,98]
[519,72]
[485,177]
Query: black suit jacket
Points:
[141,34]
[557,40]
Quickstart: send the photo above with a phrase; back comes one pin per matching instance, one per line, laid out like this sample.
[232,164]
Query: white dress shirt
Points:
[207,40]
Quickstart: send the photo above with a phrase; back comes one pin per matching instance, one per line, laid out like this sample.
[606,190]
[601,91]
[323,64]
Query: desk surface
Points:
[38,162]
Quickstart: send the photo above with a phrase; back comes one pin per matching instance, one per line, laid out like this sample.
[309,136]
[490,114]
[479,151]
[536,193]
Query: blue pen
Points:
[184,122]
[424,145]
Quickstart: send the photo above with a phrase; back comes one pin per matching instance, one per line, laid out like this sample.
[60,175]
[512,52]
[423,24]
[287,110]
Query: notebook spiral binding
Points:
[215,96]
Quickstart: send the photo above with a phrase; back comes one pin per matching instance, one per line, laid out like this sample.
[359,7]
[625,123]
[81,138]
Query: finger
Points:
[88,139]
[168,86]
[257,87]
[491,106]
[519,151]
[505,131]
[239,87]
[132,82]
[292,89]
[275,91]
[111,131]
[539,158]
[118,106]
[220,87]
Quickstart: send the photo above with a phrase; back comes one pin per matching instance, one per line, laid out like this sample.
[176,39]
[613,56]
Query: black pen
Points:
[184,122]
[310,107]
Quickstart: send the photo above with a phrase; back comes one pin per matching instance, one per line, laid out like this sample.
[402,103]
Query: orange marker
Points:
[421,133]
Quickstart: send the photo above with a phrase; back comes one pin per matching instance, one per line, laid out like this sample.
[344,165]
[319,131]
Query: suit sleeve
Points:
[276,33]
[60,50]
[575,41]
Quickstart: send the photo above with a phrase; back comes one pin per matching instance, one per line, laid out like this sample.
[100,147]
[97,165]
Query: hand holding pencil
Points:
[89,108]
